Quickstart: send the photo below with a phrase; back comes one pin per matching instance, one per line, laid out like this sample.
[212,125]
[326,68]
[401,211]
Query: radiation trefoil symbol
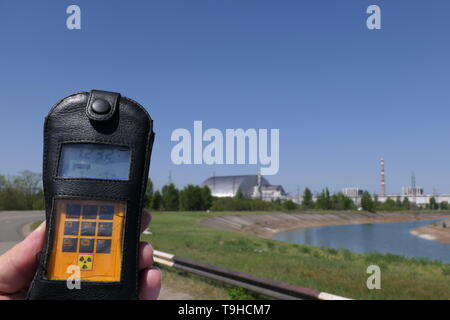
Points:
[85,262]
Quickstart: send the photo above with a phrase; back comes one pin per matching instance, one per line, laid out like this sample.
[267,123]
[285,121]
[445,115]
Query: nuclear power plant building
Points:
[252,186]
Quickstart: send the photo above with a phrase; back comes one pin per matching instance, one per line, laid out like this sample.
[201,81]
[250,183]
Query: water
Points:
[391,237]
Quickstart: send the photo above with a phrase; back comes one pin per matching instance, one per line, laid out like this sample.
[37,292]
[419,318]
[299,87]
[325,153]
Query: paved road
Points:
[13,229]
[12,225]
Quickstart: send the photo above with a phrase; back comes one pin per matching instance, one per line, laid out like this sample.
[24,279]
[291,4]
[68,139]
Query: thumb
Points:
[18,265]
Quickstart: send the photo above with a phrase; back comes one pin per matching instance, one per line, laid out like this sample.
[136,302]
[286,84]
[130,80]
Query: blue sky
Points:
[341,95]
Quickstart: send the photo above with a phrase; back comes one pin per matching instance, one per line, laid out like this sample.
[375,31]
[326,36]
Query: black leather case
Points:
[72,121]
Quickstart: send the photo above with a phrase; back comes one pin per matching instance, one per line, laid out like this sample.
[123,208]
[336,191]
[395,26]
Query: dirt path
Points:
[168,293]
[267,225]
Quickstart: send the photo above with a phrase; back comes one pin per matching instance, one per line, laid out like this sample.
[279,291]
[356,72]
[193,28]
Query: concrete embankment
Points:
[267,225]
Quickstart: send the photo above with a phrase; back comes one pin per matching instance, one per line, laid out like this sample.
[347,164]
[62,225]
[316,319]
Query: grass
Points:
[35,224]
[340,272]
[194,286]
[200,288]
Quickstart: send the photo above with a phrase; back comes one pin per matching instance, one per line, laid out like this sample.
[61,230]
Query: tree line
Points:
[372,204]
[326,201]
[196,198]
[21,192]
[190,198]
[338,201]
[24,192]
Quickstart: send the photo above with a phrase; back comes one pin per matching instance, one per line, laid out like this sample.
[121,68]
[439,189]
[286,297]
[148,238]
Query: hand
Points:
[18,266]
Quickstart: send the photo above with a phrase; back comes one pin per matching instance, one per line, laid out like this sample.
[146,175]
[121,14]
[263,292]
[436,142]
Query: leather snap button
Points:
[101,106]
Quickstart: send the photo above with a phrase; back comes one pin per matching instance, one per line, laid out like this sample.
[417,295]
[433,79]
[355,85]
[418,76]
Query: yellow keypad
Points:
[88,231]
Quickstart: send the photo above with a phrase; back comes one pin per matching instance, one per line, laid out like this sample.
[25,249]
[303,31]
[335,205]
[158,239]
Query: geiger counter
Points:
[97,149]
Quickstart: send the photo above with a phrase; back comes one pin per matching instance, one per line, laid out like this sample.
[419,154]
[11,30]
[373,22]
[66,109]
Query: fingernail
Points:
[156,268]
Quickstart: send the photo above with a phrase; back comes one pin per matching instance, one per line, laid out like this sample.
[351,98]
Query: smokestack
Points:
[383,186]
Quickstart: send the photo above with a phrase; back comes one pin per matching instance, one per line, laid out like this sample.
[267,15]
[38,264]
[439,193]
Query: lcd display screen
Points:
[95,161]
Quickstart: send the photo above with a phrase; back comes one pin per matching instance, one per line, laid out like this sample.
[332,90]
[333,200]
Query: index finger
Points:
[145,220]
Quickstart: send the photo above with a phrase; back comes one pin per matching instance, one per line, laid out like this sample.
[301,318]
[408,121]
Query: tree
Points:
[23,192]
[367,202]
[191,198]
[444,205]
[39,202]
[12,199]
[307,201]
[289,205]
[239,194]
[339,201]
[406,204]
[3,182]
[207,198]
[156,201]
[433,205]
[170,197]
[376,203]
[389,205]
[195,198]
[324,200]
[29,184]
[398,203]
[148,194]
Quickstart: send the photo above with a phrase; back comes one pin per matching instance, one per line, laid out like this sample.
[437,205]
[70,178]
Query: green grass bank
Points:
[340,272]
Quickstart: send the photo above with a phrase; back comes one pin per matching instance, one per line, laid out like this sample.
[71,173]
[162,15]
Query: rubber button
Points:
[106,212]
[90,212]
[88,228]
[103,246]
[69,245]
[71,228]
[86,245]
[104,229]
[73,211]
[101,106]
